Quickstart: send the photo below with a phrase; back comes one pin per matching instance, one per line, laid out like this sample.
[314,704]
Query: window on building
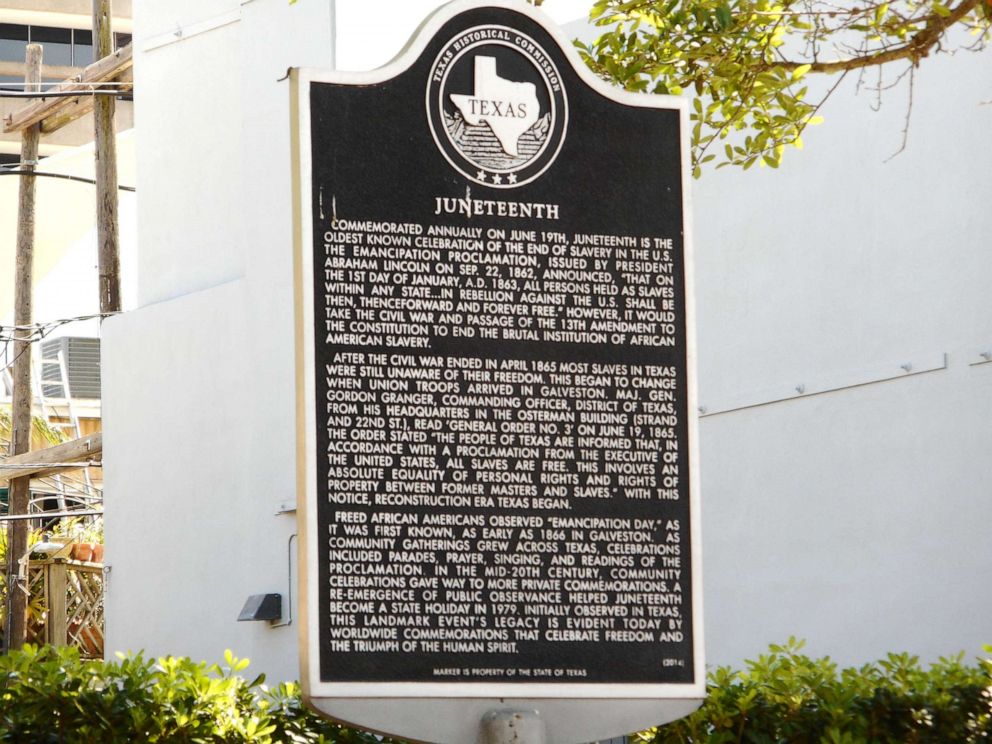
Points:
[57,43]
[13,40]
[82,48]
[64,47]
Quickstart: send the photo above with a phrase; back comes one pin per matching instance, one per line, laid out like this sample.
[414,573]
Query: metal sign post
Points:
[498,487]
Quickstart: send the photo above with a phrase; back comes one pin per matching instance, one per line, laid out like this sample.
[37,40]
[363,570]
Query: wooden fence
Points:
[65,604]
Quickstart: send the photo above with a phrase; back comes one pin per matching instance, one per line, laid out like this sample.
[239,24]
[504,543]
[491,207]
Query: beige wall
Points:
[63,13]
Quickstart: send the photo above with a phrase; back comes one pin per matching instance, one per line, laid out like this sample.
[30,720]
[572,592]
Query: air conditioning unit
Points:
[82,363]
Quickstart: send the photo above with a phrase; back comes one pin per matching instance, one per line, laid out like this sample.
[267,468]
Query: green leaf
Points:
[724,17]
[598,9]
[729,54]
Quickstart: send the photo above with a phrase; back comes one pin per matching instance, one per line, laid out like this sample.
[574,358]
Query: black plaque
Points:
[498,338]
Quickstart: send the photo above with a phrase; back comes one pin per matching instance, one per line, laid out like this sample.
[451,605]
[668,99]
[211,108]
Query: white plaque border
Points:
[333,697]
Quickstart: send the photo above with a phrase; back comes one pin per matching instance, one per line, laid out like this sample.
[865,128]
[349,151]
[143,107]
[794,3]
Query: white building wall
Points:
[199,399]
[854,518]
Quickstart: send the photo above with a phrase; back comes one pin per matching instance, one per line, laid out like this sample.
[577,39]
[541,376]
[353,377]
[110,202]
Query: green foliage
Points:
[785,696]
[746,61]
[42,434]
[49,694]
[78,529]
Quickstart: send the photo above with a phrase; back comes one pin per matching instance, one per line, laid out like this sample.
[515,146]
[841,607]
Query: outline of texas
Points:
[508,107]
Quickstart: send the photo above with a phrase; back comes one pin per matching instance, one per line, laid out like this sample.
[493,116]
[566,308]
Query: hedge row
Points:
[51,695]
[785,696]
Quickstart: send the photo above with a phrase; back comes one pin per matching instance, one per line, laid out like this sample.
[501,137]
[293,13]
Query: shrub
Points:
[49,694]
[785,696]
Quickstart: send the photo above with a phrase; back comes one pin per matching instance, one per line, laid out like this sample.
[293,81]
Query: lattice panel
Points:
[36,626]
[84,611]
[82,588]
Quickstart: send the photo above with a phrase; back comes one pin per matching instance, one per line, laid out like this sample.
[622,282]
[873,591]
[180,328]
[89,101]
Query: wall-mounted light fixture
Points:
[262,607]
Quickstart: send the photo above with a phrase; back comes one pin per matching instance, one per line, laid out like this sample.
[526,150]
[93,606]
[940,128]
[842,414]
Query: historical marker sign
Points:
[497,388]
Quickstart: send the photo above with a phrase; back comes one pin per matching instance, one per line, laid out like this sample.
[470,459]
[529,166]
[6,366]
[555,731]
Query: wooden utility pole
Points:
[106,171]
[35,118]
[17,531]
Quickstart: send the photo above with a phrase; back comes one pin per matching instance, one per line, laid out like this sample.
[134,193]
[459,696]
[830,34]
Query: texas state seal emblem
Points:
[496,106]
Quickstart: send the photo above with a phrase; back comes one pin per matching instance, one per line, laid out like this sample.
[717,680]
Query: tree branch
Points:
[915,49]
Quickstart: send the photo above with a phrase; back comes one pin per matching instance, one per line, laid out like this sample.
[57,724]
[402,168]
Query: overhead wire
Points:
[115,89]
[11,171]
[91,83]
[57,93]
[33,333]
[42,328]
[91,89]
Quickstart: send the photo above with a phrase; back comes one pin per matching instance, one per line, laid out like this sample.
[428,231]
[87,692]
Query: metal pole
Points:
[513,727]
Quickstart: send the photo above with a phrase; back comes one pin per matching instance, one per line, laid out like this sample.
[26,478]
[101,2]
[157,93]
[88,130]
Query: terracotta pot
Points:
[82,552]
[97,553]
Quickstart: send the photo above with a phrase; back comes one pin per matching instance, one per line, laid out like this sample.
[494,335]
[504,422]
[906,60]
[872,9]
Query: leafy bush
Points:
[785,696]
[49,694]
